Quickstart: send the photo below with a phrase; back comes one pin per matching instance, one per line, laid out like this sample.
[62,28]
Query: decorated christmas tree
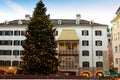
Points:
[40,56]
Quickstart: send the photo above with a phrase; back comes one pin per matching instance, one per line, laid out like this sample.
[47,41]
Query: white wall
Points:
[11,47]
[91,38]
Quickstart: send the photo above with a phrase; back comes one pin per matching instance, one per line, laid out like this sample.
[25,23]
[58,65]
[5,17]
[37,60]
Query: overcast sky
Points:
[101,11]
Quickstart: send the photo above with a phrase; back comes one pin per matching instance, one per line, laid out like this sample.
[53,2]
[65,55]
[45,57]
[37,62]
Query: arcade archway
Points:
[99,73]
[86,73]
[2,71]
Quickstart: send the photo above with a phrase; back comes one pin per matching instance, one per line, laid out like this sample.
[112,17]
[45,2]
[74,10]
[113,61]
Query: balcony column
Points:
[58,47]
[64,47]
[71,47]
[78,47]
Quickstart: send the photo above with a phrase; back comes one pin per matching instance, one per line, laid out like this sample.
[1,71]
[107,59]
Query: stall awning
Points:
[68,35]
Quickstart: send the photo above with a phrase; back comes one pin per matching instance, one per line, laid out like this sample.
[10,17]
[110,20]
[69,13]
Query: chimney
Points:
[6,22]
[20,22]
[27,17]
[78,16]
[91,22]
[59,21]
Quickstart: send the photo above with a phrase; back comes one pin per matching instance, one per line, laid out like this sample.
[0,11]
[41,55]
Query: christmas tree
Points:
[40,56]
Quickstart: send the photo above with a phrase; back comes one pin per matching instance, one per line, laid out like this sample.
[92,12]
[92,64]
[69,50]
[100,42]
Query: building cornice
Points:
[116,19]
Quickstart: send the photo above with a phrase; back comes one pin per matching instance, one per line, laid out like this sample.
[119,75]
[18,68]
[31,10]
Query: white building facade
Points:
[11,38]
[82,46]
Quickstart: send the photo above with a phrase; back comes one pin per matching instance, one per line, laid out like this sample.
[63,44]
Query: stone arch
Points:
[86,73]
[99,73]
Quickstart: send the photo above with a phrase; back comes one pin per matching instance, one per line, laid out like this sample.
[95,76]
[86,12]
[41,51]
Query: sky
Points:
[100,11]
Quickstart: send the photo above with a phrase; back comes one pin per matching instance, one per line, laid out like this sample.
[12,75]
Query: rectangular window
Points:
[22,42]
[85,43]
[98,33]
[16,42]
[7,63]
[8,33]
[1,33]
[15,63]
[5,42]
[98,43]
[85,33]
[116,49]
[7,52]
[1,52]
[116,60]
[9,42]
[1,42]
[99,53]
[85,64]
[23,33]
[99,64]
[16,52]
[22,52]
[17,33]
[85,53]
[1,63]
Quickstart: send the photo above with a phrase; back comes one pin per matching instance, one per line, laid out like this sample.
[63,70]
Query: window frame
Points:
[85,43]
[99,53]
[16,52]
[17,33]
[98,42]
[85,32]
[23,32]
[98,33]
[16,42]
[85,64]
[85,53]
[7,63]
[15,63]
[99,64]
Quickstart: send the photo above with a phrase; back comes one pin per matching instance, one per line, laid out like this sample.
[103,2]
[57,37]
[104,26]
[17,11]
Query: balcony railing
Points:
[68,51]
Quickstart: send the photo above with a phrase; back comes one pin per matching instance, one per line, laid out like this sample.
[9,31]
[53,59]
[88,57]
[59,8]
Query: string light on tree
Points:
[39,48]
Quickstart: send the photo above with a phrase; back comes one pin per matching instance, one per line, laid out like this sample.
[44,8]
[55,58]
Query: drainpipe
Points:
[92,47]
